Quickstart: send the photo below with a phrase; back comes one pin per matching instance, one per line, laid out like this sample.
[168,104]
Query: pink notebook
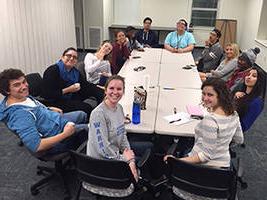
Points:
[195,111]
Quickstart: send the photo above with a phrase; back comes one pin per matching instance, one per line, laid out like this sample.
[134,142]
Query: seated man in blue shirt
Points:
[180,41]
[42,130]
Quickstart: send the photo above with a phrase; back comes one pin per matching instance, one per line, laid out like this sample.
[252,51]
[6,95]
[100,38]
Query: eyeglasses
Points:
[69,56]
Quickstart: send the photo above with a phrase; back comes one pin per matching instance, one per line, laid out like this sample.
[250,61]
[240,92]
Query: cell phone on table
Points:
[135,57]
[187,67]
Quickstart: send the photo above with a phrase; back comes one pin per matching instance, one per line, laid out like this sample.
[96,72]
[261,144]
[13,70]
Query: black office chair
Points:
[107,174]
[35,82]
[202,181]
[80,67]
[60,160]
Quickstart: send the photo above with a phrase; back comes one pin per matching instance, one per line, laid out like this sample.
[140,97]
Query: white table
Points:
[149,55]
[179,98]
[137,77]
[148,116]
[174,76]
[181,59]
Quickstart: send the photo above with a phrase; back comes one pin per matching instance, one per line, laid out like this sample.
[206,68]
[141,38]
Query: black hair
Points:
[258,90]
[69,49]
[117,32]
[147,18]
[225,98]
[129,28]
[6,76]
[218,32]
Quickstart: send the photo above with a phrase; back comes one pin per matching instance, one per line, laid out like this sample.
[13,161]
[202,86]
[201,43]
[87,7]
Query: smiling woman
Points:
[64,87]
[97,65]
[107,138]
[217,129]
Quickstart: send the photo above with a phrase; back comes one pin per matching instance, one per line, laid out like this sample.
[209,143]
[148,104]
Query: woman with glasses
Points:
[64,87]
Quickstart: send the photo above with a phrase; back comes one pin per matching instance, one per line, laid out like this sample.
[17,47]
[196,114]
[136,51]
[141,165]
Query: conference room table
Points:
[148,55]
[179,99]
[181,59]
[133,75]
[148,116]
[169,86]
[174,76]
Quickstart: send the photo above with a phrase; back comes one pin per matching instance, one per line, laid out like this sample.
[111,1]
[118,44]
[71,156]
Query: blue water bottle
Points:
[136,113]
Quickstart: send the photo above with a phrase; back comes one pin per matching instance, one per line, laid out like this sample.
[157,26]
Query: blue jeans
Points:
[80,135]
[79,118]
[140,147]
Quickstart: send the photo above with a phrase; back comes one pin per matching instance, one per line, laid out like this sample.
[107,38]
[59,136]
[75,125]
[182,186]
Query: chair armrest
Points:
[81,147]
[144,158]
[172,149]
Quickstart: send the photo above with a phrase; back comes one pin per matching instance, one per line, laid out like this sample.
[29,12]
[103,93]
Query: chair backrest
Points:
[80,67]
[103,173]
[35,83]
[202,180]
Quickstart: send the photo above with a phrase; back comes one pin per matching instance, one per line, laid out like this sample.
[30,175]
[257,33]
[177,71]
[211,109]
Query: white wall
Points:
[165,13]
[35,33]
[262,33]
[108,17]
[251,20]
[127,12]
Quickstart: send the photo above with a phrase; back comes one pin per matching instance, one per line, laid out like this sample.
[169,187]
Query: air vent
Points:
[94,37]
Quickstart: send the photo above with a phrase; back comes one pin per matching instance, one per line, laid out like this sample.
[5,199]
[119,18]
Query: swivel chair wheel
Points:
[34,192]
[39,172]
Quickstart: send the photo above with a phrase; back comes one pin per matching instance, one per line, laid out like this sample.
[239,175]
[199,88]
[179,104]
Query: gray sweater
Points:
[225,70]
[107,135]
[211,57]
[107,140]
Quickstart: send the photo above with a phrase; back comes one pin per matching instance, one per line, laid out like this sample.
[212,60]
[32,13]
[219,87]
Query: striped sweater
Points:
[213,136]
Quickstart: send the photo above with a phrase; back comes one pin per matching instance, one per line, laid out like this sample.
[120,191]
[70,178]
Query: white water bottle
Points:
[146,82]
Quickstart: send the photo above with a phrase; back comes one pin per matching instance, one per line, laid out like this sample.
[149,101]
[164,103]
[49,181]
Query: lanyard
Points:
[179,39]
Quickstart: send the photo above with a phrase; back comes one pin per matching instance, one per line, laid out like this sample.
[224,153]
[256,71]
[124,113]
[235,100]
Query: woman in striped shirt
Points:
[218,128]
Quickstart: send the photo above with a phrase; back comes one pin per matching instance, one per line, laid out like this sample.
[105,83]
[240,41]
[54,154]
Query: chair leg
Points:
[62,172]
[41,169]
[34,188]
[78,191]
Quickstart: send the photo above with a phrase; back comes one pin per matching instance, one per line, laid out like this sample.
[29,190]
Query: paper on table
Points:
[185,117]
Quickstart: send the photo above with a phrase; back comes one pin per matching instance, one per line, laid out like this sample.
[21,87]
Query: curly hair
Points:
[258,90]
[6,76]
[225,98]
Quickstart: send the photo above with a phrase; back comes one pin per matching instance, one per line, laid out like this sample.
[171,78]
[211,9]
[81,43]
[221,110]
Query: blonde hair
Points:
[235,49]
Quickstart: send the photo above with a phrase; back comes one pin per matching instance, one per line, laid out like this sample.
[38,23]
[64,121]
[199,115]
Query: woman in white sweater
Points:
[97,65]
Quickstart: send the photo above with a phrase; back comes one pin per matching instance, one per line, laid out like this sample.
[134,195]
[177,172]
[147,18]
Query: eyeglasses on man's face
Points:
[69,56]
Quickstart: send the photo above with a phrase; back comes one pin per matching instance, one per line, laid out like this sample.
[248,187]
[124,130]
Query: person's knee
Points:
[81,117]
